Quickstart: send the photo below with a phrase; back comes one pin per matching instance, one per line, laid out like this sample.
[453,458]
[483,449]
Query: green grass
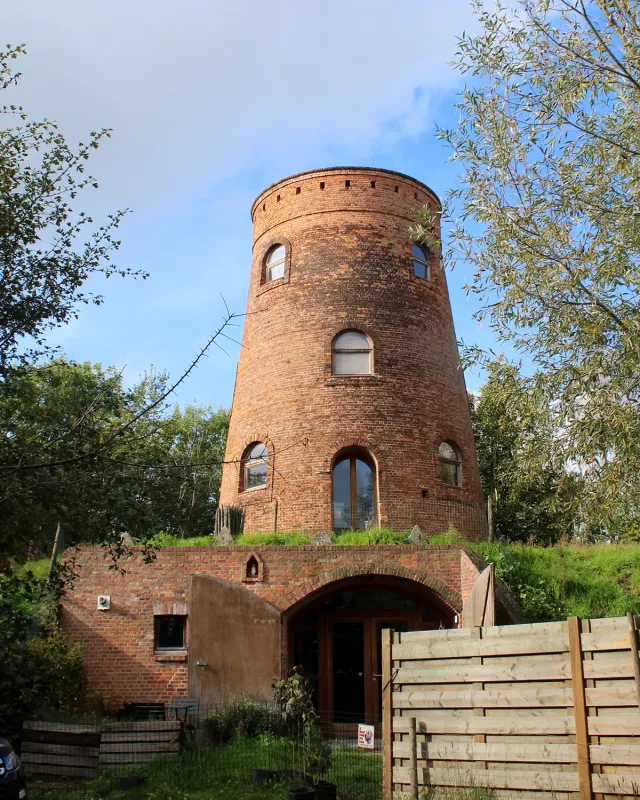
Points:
[39,569]
[372,536]
[563,581]
[214,773]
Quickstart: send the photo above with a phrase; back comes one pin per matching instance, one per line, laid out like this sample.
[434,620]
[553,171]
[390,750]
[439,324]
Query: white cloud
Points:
[197,90]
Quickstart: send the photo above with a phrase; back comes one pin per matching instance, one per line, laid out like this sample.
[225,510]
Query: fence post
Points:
[413,758]
[633,643]
[387,716]
[580,709]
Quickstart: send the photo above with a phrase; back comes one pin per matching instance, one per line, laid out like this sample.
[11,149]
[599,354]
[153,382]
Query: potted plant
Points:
[310,751]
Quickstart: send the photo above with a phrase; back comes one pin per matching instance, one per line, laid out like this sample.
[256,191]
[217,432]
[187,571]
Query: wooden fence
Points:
[59,750]
[54,749]
[549,710]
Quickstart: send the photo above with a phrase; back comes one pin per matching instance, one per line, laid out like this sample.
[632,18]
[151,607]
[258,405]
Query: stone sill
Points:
[172,656]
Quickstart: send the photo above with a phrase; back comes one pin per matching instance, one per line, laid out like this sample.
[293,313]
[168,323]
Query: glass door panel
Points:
[305,655]
[364,494]
[342,494]
[348,671]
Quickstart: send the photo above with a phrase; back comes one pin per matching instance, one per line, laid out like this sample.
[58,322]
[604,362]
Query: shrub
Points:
[40,671]
[243,718]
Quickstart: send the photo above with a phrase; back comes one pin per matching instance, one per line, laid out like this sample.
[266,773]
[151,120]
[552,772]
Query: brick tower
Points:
[349,409]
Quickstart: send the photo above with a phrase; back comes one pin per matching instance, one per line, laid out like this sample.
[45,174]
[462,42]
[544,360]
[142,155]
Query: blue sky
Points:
[211,101]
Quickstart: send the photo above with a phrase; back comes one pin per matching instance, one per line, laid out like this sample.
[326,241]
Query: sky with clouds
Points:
[210,101]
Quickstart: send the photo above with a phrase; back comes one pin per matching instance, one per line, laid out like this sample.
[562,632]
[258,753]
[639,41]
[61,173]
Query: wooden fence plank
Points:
[475,751]
[527,645]
[59,727]
[628,754]
[66,772]
[61,749]
[58,760]
[137,747]
[558,669]
[614,726]
[142,727]
[493,778]
[132,758]
[617,784]
[525,725]
[139,737]
[496,698]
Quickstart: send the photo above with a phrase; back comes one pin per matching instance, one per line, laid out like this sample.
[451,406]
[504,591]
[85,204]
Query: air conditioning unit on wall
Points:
[104,602]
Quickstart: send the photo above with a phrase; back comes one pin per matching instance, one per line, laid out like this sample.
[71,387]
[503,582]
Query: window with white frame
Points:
[254,465]
[275,263]
[352,354]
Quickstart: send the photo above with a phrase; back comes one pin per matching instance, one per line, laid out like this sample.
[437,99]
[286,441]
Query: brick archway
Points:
[291,602]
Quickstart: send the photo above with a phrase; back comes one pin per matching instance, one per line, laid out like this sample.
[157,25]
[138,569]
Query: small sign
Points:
[366,735]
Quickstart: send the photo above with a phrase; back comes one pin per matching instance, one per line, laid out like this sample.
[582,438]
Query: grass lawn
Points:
[213,773]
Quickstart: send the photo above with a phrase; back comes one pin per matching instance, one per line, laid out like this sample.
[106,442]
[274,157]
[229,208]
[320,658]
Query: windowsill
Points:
[254,489]
[268,285]
[170,655]
[367,376]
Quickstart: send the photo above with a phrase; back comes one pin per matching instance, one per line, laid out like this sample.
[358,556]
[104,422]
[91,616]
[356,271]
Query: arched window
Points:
[449,464]
[353,478]
[254,465]
[421,268]
[351,354]
[275,262]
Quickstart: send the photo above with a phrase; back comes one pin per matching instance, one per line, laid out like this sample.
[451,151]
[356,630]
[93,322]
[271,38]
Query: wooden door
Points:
[234,642]
[350,683]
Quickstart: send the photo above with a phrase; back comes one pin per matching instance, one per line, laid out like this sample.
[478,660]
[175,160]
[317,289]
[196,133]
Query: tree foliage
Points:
[163,476]
[547,212]
[48,248]
[521,466]
[41,671]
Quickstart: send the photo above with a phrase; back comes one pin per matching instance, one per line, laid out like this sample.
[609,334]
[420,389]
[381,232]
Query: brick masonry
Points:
[119,643]
[349,266]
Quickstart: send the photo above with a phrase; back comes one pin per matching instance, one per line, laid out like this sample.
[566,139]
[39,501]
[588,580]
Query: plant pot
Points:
[131,781]
[325,790]
[305,793]
[262,775]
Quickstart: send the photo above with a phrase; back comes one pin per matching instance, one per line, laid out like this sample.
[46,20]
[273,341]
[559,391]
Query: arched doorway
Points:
[353,489]
[335,636]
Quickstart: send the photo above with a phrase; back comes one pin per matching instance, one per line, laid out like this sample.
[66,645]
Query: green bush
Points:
[242,718]
[40,670]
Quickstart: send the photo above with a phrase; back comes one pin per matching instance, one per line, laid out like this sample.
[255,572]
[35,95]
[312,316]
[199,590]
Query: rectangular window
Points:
[275,272]
[169,631]
[353,363]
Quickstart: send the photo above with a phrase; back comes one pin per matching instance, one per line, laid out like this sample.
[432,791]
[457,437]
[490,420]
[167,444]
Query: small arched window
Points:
[421,267]
[449,464]
[351,354]
[275,263]
[254,464]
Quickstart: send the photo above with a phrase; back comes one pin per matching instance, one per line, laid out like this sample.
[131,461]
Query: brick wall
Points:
[119,643]
[349,266]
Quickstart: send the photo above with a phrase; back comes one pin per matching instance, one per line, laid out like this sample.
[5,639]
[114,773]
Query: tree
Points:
[41,670]
[547,212]
[44,261]
[164,475]
[77,447]
[521,467]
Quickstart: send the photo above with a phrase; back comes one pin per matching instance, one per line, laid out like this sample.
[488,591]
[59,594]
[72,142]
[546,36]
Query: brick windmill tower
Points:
[350,409]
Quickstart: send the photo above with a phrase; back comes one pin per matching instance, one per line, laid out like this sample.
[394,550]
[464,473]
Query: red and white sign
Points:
[366,736]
